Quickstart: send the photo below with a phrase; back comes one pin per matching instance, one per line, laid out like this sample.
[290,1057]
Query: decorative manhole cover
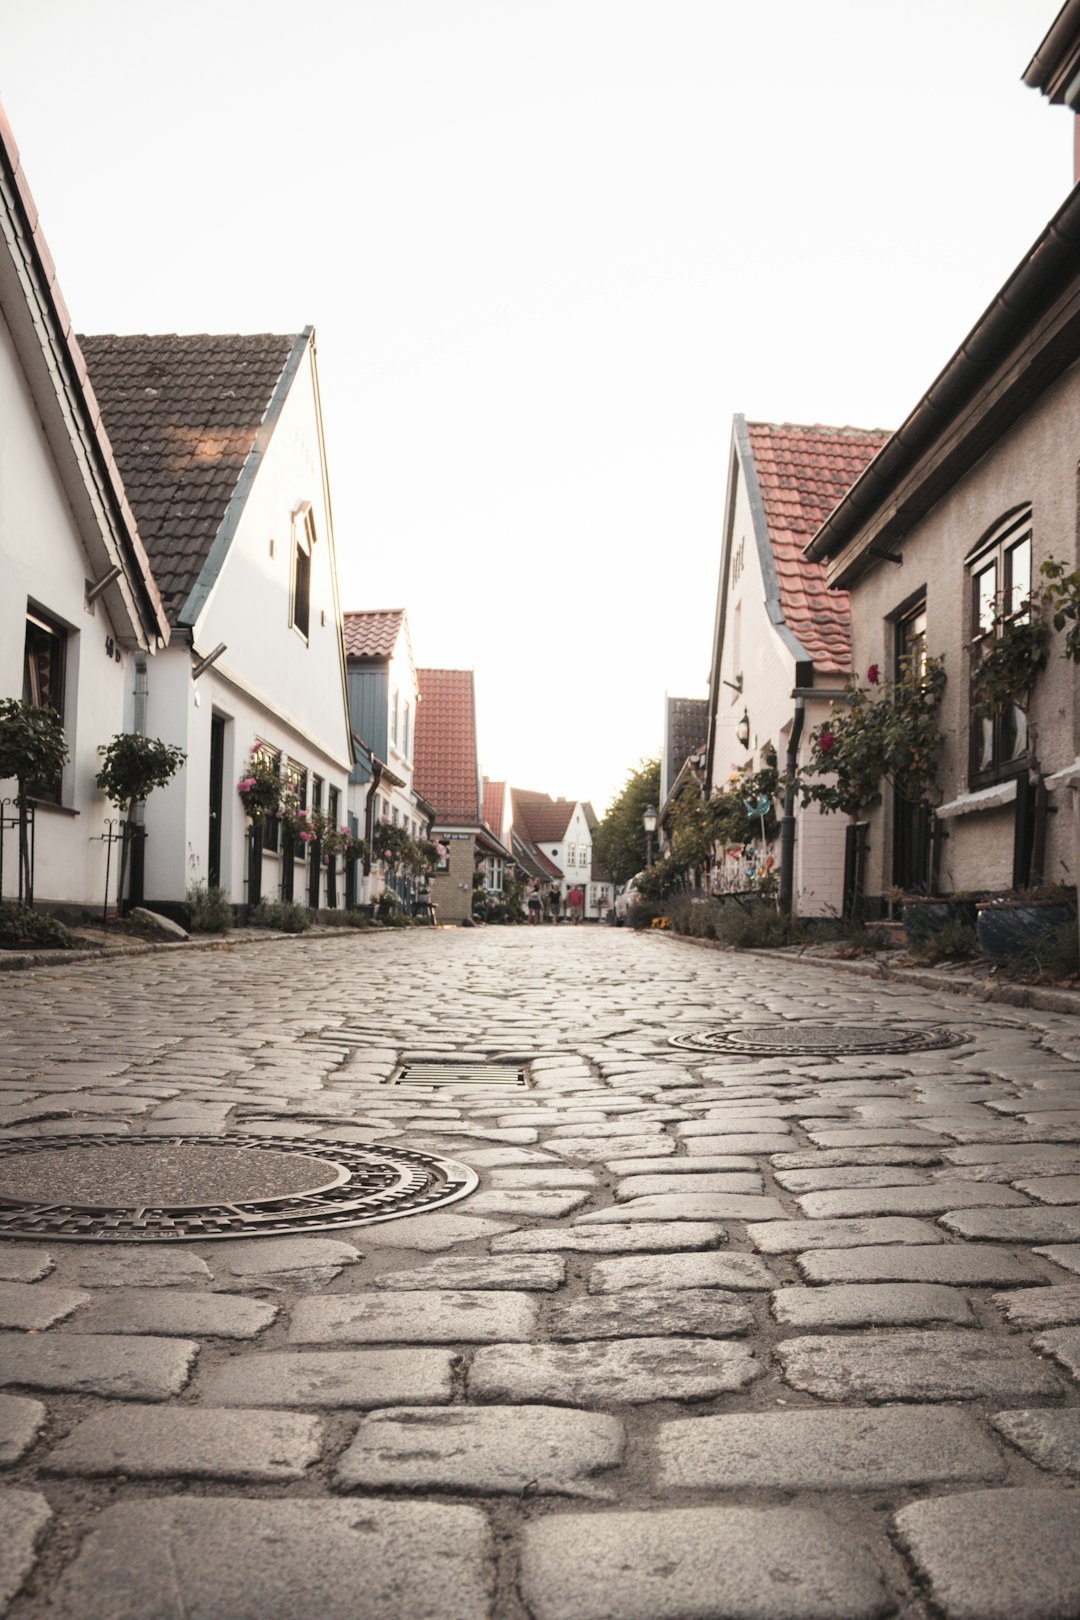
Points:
[459,1074]
[815,1040]
[104,1189]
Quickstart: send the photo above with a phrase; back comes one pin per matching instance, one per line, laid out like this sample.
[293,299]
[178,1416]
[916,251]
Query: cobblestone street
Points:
[719,1335]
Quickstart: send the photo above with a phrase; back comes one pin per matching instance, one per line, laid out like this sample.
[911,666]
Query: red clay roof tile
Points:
[372,634]
[802,473]
[444,750]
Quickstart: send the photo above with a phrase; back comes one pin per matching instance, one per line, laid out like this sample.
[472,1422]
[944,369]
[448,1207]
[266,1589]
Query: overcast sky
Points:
[550,247]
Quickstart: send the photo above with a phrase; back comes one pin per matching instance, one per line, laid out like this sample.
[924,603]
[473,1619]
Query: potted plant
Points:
[33,748]
[1019,922]
[135,765]
[260,789]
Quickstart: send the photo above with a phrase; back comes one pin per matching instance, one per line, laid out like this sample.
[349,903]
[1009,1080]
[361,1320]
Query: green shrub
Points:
[22,929]
[642,913]
[1057,956]
[751,924]
[209,910]
[284,915]
[955,942]
[353,918]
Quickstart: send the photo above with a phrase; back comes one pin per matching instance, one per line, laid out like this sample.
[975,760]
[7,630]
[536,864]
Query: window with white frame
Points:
[44,660]
[999,583]
[395,703]
[493,874]
[303,525]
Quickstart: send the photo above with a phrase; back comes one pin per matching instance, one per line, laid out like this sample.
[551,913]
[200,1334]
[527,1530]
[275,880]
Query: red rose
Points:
[873,674]
[826,742]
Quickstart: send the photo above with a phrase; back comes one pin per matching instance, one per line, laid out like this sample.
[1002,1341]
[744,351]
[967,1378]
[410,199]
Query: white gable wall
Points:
[45,565]
[754,649]
[271,684]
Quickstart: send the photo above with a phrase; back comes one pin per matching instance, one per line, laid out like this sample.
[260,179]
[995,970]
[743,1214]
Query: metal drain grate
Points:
[460,1074]
[815,1040]
[108,1189]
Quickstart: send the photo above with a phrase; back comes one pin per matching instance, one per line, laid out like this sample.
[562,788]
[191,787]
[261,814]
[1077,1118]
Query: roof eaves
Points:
[1055,67]
[68,382]
[1047,273]
[219,550]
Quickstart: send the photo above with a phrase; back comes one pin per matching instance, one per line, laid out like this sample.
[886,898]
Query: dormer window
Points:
[303,525]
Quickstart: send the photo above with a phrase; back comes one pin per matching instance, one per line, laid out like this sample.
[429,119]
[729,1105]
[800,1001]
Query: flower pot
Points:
[925,918]
[1008,929]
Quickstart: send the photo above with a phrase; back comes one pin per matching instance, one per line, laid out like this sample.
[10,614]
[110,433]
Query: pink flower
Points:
[246,783]
[826,742]
[873,674]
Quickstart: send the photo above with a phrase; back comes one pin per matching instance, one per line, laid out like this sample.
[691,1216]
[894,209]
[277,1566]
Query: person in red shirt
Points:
[575,903]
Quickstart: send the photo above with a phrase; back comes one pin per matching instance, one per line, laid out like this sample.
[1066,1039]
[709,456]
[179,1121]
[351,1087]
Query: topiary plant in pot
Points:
[33,749]
[134,766]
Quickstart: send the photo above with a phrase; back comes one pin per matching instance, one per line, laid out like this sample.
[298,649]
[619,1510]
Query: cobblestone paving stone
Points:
[771,1338]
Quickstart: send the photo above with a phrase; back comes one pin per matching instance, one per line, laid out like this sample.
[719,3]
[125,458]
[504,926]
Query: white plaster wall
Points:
[753,649]
[45,565]
[270,684]
[1036,460]
[248,608]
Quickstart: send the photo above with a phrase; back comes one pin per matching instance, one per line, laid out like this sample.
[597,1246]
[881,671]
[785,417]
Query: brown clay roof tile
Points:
[182,413]
[372,635]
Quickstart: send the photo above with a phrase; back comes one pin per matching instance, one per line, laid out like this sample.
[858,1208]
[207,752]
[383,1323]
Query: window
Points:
[571,854]
[405,732]
[43,680]
[1000,587]
[303,546]
[394,815]
[395,704]
[271,827]
[910,644]
[296,781]
[493,875]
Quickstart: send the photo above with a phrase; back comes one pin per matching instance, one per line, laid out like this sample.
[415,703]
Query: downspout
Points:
[787,820]
[369,812]
[137,880]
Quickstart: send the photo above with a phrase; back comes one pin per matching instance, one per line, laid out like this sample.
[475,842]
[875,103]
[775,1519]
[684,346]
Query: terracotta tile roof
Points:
[444,748]
[494,800]
[802,473]
[373,635]
[534,861]
[543,818]
[182,414]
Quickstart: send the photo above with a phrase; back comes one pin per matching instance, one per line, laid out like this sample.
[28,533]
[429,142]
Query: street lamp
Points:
[648,821]
[742,730]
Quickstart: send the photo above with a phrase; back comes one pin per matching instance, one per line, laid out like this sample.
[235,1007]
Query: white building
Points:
[219,441]
[79,606]
[383,697]
[779,629]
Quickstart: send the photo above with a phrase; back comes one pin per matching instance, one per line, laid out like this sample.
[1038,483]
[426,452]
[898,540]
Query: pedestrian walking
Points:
[575,903]
[534,903]
[554,904]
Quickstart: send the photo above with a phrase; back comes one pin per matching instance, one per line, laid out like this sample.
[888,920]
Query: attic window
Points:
[303,546]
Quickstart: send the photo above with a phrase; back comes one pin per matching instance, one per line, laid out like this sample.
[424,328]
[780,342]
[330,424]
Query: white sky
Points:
[550,247]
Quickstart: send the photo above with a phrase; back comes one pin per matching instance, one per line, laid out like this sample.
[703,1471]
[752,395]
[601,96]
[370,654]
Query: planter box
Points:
[925,918]
[1009,929]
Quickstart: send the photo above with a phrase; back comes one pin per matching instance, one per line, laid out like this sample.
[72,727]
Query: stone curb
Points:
[1037,997]
[17,961]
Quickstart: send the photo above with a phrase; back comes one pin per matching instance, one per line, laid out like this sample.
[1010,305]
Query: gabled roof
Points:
[687,726]
[543,818]
[373,635]
[444,748]
[533,860]
[802,472]
[189,418]
[494,803]
[55,371]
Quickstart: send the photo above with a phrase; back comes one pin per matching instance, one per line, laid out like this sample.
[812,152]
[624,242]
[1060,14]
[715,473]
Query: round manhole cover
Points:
[106,1189]
[815,1040]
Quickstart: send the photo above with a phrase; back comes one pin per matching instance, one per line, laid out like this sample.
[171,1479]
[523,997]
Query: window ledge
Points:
[990,798]
[1068,777]
[52,809]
